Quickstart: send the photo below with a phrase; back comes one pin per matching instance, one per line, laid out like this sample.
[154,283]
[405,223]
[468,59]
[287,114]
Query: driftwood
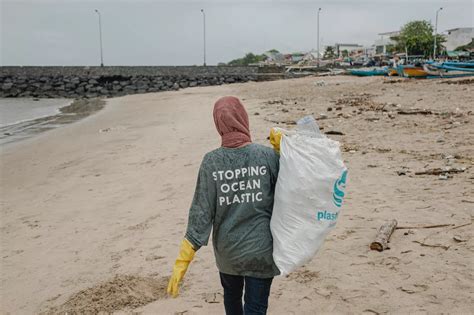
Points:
[432,245]
[423,227]
[334,132]
[439,171]
[415,112]
[460,226]
[383,236]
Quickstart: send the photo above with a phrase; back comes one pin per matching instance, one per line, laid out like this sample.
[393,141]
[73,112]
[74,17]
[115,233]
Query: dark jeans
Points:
[256,294]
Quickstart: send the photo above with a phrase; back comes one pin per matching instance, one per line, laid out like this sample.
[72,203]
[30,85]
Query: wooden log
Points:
[383,236]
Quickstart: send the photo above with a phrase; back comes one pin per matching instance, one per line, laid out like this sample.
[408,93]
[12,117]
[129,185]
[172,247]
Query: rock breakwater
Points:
[91,82]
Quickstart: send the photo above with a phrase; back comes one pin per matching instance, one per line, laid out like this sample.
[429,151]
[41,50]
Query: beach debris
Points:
[432,245]
[414,112]
[401,173]
[286,122]
[460,226]
[105,130]
[275,102]
[371,311]
[256,113]
[464,81]
[459,239]
[303,275]
[334,132]
[213,298]
[391,81]
[329,109]
[323,116]
[416,288]
[433,226]
[383,236]
[349,147]
[443,177]
[441,171]
[382,150]
[320,83]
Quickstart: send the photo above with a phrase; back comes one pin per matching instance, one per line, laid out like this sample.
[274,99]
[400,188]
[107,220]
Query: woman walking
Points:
[234,200]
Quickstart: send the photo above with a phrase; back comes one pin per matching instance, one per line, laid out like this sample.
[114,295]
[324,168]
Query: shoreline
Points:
[28,128]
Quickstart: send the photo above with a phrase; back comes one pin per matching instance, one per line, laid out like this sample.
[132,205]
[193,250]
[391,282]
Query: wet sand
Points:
[75,111]
[109,195]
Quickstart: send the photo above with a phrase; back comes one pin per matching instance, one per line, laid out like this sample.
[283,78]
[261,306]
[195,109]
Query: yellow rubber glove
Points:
[186,255]
[275,139]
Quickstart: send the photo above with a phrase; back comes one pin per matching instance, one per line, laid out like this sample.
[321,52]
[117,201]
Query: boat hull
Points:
[415,72]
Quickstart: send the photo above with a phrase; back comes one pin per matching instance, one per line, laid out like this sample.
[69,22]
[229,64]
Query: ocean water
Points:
[18,110]
[21,118]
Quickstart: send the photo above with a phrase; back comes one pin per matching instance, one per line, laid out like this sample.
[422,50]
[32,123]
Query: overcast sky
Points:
[141,32]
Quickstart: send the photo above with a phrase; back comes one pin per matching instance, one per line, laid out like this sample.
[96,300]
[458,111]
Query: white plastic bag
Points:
[308,195]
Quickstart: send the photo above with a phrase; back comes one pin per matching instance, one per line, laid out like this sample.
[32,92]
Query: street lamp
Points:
[204,28]
[319,10]
[436,33]
[100,38]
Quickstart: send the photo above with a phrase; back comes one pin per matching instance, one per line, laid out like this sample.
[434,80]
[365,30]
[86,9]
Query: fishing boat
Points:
[414,72]
[469,64]
[449,69]
[368,71]
[454,68]
[392,72]
[434,71]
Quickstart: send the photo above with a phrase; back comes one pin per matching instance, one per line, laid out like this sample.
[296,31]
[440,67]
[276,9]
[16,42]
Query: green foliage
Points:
[329,52]
[274,51]
[345,53]
[249,58]
[418,39]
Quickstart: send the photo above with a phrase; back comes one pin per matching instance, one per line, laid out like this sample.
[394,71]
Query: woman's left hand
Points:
[186,255]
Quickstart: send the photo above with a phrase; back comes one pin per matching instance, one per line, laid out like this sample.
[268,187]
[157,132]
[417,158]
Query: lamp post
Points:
[436,33]
[319,10]
[100,38]
[204,29]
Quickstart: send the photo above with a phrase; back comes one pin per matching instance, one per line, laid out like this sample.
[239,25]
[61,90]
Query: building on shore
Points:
[341,48]
[457,37]
[384,42]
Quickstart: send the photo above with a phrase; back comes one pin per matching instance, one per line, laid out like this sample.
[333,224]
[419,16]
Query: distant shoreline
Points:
[75,111]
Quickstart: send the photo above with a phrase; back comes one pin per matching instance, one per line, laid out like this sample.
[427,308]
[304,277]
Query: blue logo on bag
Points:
[339,188]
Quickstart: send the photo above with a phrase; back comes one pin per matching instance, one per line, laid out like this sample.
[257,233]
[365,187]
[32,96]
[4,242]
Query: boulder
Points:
[7,86]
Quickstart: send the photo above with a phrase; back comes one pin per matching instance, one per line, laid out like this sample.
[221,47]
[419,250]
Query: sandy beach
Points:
[92,213]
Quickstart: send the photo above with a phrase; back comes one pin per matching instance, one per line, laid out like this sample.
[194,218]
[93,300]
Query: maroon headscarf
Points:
[232,122]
